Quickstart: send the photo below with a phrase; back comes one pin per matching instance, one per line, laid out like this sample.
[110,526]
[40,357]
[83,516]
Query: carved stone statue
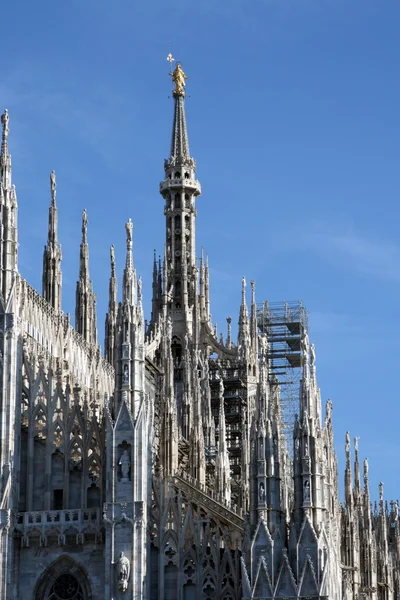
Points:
[129,228]
[169,328]
[366,467]
[84,222]
[221,387]
[126,373]
[381,491]
[347,441]
[312,355]
[328,413]
[306,491]
[179,77]
[53,183]
[124,569]
[262,493]
[305,346]
[125,463]
[4,121]
[112,258]
[306,449]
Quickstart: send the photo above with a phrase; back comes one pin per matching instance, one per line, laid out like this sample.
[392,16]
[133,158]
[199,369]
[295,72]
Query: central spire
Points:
[179,190]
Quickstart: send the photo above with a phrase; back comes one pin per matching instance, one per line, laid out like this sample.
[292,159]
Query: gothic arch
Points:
[62,566]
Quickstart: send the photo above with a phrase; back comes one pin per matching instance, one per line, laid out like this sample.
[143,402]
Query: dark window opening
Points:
[58,499]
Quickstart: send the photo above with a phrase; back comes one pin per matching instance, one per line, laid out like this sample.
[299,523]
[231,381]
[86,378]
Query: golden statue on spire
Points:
[178,77]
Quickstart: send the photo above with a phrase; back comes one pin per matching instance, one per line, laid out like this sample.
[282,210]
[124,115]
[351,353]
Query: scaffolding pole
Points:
[285,324]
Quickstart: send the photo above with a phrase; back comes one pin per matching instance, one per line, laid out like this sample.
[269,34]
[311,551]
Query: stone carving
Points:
[312,355]
[305,346]
[4,121]
[53,184]
[306,491]
[347,441]
[125,464]
[126,373]
[124,569]
[262,492]
[129,228]
[306,449]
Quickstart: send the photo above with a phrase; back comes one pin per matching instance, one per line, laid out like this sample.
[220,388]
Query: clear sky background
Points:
[293,116]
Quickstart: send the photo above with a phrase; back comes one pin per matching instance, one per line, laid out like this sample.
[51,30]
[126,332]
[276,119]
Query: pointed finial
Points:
[112,259]
[244,290]
[381,491]
[178,77]
[84,225]
[53,186]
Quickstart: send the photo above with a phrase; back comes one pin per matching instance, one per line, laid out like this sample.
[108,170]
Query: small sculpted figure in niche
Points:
[262,493]
[126,373]
[306,491]
[306,449]
[125,464]
[124,569]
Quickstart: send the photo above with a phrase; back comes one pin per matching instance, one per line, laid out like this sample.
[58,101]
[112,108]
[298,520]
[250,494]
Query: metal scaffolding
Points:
[285,324]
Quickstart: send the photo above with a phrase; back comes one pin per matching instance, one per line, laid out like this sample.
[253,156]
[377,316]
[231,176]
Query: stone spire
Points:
[348,474]
[52,277]
[8,216]
[244,330]
[357,485]
[130,340]
[253,324]
[129,281]
[5,161]
[179,190]
[111,317]
[222,464]
[85,310]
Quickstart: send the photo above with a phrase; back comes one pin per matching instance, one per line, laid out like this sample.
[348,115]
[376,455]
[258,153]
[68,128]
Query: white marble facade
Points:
[160,471]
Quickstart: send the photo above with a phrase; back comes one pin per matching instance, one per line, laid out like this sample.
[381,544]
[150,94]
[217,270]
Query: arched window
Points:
[65,587]
[64,579]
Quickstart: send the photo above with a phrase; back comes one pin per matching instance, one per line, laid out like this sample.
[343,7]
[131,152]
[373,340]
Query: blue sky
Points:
[293,120]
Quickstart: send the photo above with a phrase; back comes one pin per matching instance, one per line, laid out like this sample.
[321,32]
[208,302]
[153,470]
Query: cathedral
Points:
[175,465]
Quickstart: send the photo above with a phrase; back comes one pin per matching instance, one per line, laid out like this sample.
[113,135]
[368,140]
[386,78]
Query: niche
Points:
[93,496]
[124,462]
[75,479]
